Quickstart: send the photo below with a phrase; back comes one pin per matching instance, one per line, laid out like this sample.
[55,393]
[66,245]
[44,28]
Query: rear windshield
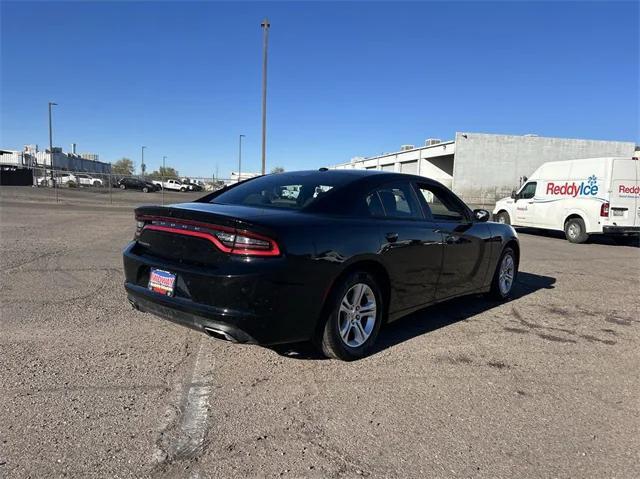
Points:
[283,190]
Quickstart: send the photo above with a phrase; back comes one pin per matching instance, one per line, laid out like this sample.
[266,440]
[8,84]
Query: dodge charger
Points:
[326,256]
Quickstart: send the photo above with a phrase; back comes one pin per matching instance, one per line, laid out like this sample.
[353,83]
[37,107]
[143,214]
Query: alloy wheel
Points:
[506,274]
[357,315]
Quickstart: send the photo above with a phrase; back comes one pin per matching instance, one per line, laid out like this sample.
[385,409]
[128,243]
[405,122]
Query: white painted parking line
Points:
[184,430]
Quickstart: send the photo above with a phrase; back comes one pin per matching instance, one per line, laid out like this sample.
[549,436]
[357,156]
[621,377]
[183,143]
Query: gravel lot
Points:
[543,386]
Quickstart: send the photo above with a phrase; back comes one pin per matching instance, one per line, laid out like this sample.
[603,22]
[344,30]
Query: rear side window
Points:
[374,206]
[394,201]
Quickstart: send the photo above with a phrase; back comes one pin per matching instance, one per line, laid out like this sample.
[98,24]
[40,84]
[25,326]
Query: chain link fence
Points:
[110,188]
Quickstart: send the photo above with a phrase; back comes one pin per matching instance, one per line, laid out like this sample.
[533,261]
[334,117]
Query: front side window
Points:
[442,205]
[528,191]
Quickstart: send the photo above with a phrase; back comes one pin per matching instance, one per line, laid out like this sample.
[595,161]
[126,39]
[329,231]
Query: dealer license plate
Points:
[162,282]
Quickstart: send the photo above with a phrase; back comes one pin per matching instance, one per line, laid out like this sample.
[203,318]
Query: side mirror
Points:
[513,194]
[481,215]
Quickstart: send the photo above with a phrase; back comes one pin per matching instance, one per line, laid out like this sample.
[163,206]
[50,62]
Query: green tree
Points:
[278,169]
[165,172]
[123,166]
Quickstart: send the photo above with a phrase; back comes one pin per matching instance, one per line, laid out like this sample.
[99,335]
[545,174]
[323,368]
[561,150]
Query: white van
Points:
[579,197]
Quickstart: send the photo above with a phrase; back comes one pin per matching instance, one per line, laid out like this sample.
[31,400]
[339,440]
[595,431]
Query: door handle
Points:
[392,237]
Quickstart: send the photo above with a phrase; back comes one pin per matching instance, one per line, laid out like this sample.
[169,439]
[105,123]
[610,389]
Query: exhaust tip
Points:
[219,334]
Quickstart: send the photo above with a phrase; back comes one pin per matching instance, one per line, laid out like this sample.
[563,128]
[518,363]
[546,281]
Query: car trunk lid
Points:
[203,234]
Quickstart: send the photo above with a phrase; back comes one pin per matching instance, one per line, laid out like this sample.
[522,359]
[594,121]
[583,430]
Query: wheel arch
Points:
[572,214]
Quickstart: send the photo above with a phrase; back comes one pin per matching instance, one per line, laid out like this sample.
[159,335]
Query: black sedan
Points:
[136,184]
[327,256]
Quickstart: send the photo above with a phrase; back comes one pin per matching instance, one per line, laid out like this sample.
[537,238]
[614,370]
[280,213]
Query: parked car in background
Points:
[171,184]
[579,197]
[87,180]
[355,249]
[193,185]
[61,179]
[136,184]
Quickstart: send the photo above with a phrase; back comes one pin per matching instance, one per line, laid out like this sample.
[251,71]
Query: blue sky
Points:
[345,79]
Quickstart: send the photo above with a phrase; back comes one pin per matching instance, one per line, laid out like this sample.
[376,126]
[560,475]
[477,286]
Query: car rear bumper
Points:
[205,319]
[264,301]
[621,230]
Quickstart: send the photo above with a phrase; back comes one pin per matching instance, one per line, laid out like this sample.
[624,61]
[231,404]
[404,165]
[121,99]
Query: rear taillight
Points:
[604,209]
[226,239]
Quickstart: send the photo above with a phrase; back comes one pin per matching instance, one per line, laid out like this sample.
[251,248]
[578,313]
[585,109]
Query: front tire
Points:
[353,318]
[505,275]
[503,217]
[122,187]
[145,190]
[183,189]
[575,231]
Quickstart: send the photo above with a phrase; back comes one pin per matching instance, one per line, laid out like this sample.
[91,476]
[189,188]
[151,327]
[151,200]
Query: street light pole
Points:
[142,167]
[265,42]
[240,155]
[162,178]
[51,147]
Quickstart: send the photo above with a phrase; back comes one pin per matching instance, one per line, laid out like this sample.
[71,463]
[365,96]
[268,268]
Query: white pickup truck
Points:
[175,185]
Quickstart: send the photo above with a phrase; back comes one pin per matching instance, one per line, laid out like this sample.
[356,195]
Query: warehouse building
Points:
[482,168]
[31,157]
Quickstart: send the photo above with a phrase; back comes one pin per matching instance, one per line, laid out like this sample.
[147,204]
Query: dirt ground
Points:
[545,385]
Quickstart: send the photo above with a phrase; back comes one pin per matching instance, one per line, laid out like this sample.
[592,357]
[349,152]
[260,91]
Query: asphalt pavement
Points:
[545,385]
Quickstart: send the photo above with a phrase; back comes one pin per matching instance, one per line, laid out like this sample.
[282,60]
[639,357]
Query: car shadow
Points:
[431,318]
[453,311]
[593,239]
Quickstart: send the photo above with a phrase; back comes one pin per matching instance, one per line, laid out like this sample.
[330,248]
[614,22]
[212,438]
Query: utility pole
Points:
[55,186]
[142,167]
[240,156]
[265,42]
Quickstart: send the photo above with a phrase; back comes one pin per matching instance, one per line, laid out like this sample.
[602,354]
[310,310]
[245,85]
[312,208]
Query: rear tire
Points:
[575,230]
[145,190]
[122,187]
[505,275]
[503,217]
[353,318]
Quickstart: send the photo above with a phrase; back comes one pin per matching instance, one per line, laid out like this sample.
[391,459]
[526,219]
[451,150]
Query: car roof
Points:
[355,175]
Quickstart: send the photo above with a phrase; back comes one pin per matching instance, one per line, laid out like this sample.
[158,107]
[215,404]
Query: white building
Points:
[482,168]
[31,157]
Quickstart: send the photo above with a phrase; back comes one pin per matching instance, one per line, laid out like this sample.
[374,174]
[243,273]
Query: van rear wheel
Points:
[575,231]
